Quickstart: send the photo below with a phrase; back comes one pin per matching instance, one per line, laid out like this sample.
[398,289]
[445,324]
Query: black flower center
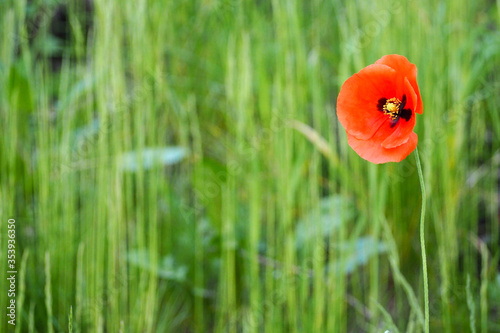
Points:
[394,108]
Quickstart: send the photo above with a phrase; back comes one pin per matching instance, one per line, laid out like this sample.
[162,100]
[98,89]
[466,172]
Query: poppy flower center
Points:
[391,107]
[394,108]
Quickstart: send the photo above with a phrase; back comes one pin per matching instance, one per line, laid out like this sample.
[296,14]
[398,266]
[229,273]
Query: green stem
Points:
[422,242]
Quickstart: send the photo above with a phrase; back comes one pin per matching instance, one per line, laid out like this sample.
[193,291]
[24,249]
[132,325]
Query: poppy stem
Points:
[422,242]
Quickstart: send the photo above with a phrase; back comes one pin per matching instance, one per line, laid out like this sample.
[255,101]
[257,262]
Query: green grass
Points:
[256,215]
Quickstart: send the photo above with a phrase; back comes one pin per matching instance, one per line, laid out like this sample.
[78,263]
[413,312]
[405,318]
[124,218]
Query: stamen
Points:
[391,108]
[394,108]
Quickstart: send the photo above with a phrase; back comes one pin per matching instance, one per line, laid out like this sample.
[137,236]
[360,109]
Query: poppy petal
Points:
[402,65]
[357,101]
[372,150]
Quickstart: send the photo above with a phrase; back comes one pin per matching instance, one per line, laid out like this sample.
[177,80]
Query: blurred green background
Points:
[178,166]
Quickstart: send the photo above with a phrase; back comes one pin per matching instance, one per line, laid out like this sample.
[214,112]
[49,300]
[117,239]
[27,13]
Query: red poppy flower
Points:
[377,108]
